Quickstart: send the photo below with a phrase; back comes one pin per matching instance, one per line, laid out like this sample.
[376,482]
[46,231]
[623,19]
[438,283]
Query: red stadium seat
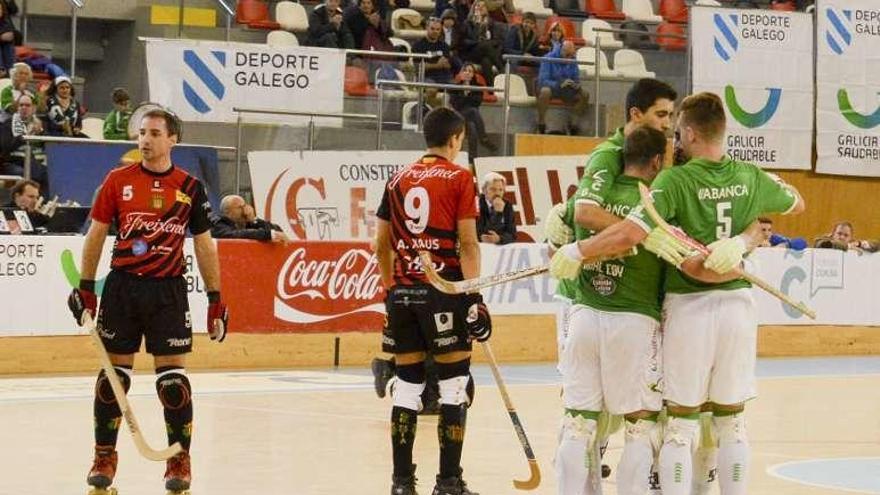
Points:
[568,29]
[357,82]
[671,44]
[674,11]
[785,6]
[248,11]
[604,9]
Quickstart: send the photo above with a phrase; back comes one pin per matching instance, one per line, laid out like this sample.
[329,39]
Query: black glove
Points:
[478,321]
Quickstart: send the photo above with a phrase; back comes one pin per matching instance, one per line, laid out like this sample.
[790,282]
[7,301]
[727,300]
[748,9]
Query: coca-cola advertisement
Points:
[301,287]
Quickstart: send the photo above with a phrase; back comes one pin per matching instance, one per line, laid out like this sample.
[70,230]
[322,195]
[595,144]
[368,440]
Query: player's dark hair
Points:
[645,92]
[441,124]
[841,224]
[18,188]
[172,123]
[704,112]
[765,220]
[642,145]
[120,96]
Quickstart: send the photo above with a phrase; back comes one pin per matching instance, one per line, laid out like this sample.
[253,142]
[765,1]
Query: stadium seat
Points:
[292,16]
[674,11]
[248,11]
[603,9]
[637,41]
[629,64]
[607,39]
[671,44]
[588,54]
[519,94]
[281,38]
[568,29]
[400,42]
[708,3]
[93,127]
[357,82]
[422,5]
[534,6]
[406,32]
[641,11]
[396,92]
[783,5]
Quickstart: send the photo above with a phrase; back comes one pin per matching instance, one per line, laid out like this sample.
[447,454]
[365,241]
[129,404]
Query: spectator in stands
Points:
[462,8]
[238,221]
[116,122]
[562,81]
[64,112]
[7,41]
[384,7]
[766,231]
[772,239]
[842,238]
[21,79]
[453,34]
[522,39]
[26,196]
[500,9]
[368,29]
[438,69]
[496,224]
[327,27]
[23,122]
[483,41]
[467,103]
[554,38]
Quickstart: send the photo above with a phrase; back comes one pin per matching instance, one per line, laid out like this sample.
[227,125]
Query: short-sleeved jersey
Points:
[423,204]
[603,167]
[627,285]
[152,212]
[710,201]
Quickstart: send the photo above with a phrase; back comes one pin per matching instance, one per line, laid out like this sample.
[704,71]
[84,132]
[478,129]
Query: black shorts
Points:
[420,318]
[155,309]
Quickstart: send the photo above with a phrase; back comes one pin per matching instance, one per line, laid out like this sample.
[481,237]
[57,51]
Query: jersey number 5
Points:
[417,206]
[725,223]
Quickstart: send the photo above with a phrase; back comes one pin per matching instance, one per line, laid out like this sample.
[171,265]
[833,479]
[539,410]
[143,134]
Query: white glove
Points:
[556,231]
[566,262]
[667,247]
[726,254]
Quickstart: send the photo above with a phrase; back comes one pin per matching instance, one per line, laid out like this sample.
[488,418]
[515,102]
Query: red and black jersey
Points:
[423,203]
[152,212]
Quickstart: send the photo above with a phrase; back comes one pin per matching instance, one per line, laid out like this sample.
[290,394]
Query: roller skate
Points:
[103,470]
[178,474]
[404,485]
[454,485]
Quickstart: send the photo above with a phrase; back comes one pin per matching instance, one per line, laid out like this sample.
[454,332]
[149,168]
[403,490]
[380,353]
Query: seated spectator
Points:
[22,76]
[368,29]
[237,220]
[116,122]
[495,224]
[522,39]
[23,122]
[483,41]
[553,39]
[26,196]
[467,103]
[561,81]
[453,34]
[772,239]
[7,41]
[438,68]
[841,237]
[499,9]
[766,231]
[64,112]
[462,8]
[327,28]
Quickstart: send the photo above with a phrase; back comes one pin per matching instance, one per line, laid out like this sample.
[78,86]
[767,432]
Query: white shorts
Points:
[611,362]
[709,347]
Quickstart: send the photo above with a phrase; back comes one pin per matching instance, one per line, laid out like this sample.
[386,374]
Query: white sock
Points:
[572,473]
[676,463]
[635,463]
[733,454]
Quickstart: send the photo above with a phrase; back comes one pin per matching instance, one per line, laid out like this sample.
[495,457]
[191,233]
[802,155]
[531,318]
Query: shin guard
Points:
[175,394]
[106,409]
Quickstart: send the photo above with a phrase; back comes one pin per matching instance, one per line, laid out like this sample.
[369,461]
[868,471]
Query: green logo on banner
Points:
[855,118]
[748,119]
[71,272]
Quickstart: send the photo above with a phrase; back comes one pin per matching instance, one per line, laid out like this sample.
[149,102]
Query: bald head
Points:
[232,207]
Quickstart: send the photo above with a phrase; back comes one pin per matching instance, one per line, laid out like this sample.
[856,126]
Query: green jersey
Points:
[628,285]
[710,201]
[603,167]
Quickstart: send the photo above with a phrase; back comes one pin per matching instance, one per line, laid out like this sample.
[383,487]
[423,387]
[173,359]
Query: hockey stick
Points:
[648,204]
[535,472]
[122,399]
[473,284]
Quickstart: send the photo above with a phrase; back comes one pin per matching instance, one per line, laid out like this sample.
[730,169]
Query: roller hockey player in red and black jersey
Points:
[430,205]
[153,203]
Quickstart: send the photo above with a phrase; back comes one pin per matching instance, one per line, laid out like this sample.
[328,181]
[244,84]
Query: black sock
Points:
[107,415]
[450,430]
[403,435]
[175,393]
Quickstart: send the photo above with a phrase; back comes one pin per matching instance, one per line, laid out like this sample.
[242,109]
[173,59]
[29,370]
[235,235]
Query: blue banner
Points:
[76,170]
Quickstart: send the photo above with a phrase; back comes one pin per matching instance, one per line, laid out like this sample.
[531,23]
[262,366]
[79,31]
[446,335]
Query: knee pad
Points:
[644,429]
[580,425]
[682,431]
[455,383]
[103,390]
[174,389]
[407,395]
[731,429]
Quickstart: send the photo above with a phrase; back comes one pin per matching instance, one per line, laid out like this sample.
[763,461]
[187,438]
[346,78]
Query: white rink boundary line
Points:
[774,471]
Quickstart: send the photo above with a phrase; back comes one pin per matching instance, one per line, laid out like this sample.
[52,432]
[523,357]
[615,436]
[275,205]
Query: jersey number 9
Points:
[417,206]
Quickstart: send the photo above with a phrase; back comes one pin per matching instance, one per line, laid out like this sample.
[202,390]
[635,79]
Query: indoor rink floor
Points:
[814,429]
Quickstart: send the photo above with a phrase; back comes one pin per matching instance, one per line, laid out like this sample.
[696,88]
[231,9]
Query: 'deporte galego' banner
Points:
[760,62]
[204,80]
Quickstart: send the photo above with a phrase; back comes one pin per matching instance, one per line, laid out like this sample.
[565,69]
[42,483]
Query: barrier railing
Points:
[421,57]
[421,85]
[311,126]
[74,6]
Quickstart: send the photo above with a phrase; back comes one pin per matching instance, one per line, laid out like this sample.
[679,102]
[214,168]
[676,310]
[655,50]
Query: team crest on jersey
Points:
[157,201]
[181,197]
[139,246]
[604,286]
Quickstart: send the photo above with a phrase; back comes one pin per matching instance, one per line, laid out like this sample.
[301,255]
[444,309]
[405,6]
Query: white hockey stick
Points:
[473,284]
[648,204]
[122,400]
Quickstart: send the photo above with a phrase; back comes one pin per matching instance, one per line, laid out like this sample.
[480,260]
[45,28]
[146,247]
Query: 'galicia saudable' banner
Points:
[848,86]
[204,80]
[760,62]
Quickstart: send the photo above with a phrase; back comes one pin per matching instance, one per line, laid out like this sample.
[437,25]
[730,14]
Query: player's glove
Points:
[556,231]
[666,247]
[479,323]
[218,316]
[83,299]
[566,262]
[726,254]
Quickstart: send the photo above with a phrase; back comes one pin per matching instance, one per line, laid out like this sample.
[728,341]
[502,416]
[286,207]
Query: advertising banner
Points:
[204,80]
[848,87]
[760,62]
